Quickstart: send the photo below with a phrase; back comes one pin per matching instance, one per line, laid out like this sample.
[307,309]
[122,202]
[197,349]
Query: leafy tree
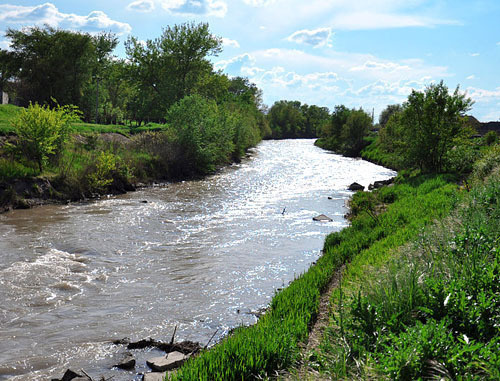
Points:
[8,68]
[175,65]
[203,131]
[42,131]
[388,112]
[431,121]
[52,63]
[286,120]
[353,132]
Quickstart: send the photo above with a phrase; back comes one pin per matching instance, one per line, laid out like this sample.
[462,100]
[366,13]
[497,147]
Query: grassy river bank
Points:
[419,293]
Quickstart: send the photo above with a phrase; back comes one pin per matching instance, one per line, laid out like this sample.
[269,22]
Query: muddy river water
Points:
[200,255]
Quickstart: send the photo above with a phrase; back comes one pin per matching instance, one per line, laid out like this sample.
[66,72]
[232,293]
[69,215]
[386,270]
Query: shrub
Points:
[42,132]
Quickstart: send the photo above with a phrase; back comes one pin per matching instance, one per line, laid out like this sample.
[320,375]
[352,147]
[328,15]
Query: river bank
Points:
[200,254]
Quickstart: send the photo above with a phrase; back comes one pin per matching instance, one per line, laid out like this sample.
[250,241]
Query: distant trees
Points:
[291,119]
[345,131]
[429,125]
[387,113]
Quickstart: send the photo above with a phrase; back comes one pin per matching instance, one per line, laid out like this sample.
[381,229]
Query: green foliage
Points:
[42,132]
[291,120]
[346,132]
[430,310]
[353,132]
[204,132]
[103,172]
[10,169]
[490,138]
[175,65]
[428,127]
[386,113]
[52,64]
[7,114]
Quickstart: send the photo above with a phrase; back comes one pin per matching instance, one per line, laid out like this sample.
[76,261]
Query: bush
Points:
[42,132]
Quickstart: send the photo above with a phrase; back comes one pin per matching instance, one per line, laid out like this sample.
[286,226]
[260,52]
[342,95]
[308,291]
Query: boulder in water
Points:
[356,187]
[170,361]
[322,218]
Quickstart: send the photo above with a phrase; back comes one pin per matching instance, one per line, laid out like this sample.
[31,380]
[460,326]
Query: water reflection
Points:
[73,277]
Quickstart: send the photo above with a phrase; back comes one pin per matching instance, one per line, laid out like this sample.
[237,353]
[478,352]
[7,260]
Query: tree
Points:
[286,120]
[387,113]
[52,63]
[8,68]
[354,130]
[430,122]
[174,65]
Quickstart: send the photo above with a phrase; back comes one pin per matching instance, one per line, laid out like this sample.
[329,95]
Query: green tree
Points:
[52,63]
[387,113]
[354,130]
[8,68]
[42,131]
[286,120]
[173,66]
[203,132]
[431,121]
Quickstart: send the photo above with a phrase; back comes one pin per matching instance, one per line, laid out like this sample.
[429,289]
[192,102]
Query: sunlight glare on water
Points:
[199,255]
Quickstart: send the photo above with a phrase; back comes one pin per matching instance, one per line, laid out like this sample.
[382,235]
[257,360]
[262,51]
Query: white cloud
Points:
[474,54]
[141,6]
[230,43]
[49,14]
[236,64]
[217,8]
[351,15]
[471,77]
[479,95]
[317,37]
[498,43]
[373,19]
[259,3]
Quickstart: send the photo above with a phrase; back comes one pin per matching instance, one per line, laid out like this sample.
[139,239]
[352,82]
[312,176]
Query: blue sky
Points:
[364,53]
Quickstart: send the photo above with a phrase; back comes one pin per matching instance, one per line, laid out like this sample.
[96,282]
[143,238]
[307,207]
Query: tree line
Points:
[206,118]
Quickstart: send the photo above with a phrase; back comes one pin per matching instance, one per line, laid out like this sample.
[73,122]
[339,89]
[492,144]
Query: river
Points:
[200,255]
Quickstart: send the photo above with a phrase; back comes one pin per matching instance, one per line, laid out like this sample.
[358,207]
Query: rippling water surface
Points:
[199,255]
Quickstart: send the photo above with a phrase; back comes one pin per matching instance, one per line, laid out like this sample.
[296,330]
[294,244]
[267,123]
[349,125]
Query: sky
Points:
[360,53]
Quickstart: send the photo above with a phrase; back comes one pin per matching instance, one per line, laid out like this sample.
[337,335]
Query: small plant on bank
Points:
[42,132]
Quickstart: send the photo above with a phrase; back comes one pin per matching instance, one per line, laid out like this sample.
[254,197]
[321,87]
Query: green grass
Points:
[7,113]
[423,303]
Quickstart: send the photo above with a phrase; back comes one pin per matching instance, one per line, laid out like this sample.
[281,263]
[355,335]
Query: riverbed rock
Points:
[128,362]
[322,218]
[356,187]
[70,375]
[381,183]
[170,361]
[153,376]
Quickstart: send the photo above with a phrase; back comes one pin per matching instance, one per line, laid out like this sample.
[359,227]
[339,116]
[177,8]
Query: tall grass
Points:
[429,308]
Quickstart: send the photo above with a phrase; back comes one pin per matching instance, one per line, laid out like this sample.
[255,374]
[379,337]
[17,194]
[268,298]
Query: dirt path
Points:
[303,371]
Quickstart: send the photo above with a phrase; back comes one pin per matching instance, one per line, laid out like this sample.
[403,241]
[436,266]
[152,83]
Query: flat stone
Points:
[322,218]
[128,362]
[170,361]
[154,376]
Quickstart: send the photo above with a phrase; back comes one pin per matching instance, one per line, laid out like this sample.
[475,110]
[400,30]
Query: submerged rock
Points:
[322,218]
[170,361]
